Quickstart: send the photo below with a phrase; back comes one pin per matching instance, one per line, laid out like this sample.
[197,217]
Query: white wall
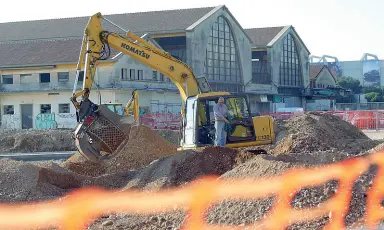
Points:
[62,120]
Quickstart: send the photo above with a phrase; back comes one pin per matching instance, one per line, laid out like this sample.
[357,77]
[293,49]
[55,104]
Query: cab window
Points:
[237,107]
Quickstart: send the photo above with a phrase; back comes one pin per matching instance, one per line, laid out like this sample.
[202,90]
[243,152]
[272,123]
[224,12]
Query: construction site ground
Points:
[375,134]
[150,162]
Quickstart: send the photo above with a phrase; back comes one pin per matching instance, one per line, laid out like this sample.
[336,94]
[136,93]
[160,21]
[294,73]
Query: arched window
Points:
[222,64]
[290,66]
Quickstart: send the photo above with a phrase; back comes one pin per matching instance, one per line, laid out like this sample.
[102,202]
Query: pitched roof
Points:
[47,52]
[43,41]
[262,36]
[166,21]
[315,70]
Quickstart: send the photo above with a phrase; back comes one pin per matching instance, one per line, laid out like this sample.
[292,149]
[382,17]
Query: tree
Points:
[369,89]
[373,77]
[374,97]
[374,93]
[350,83]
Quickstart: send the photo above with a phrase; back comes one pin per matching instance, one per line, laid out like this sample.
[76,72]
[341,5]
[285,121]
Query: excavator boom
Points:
[99,129]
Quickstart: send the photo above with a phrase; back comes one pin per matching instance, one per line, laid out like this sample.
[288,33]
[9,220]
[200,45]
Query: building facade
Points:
[38,64]
[280,69]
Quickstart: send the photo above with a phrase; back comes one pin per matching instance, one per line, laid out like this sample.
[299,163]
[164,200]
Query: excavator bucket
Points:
[102,134]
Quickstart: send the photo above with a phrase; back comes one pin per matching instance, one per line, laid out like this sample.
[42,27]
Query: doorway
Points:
[26,116]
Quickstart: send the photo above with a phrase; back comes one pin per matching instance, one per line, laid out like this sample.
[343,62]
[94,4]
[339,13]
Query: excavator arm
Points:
[96,46]
[99,129]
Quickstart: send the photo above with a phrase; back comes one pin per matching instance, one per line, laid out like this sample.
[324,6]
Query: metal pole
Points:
[377,120]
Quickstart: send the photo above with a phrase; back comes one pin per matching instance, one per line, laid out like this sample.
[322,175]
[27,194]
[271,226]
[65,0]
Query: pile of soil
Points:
[31,140]
[170,135]
[143,147]
[180,168]
[52,140]
[29,182]
[249,211]
[314,132]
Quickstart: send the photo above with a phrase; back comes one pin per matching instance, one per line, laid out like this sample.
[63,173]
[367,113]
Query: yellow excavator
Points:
[101,133]
[131,109]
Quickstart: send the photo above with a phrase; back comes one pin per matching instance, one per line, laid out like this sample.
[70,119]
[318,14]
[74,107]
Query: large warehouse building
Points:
[38,61]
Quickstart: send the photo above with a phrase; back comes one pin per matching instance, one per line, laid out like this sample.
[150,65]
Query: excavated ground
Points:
[150,162]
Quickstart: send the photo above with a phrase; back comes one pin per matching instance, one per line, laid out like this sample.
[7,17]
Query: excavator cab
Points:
[243,130]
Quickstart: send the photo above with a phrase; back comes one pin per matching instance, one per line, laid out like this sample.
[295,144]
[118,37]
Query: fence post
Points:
[377,120]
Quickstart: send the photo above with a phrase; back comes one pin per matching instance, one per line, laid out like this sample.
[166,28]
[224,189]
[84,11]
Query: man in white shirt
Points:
[220,112]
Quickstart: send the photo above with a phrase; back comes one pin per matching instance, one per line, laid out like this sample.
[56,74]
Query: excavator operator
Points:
[220,112]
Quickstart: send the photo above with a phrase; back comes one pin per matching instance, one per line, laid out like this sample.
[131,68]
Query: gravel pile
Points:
[31,140]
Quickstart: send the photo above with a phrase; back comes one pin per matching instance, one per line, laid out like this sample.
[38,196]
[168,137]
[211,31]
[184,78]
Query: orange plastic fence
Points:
[82,206]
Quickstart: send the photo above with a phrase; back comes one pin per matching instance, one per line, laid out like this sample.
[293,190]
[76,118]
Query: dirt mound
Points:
[315,132]
[143,147]
[36,140]
[183,167]
[170,135]
[78,164]
[29,182]
[248,211]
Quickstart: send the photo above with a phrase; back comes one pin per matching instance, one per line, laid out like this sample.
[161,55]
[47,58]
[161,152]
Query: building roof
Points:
[315,71]
[47,52]
[167,21]
[262,36]
[43,41]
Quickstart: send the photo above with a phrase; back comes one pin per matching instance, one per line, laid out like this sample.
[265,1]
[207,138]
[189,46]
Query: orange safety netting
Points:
[79,208]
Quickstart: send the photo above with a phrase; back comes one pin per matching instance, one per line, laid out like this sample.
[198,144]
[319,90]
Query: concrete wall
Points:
[32,83]
[317,105]
[129,63]
[353,69]
[197,41]
[63,120]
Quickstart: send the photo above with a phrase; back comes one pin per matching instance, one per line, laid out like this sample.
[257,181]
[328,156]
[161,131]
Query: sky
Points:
[345,29]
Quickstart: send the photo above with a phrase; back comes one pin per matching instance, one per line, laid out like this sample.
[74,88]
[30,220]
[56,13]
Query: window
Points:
[63,76]
[8,79]
[132,74]
[260,68]
[161,77]
[81,76]
[176,46]
[237,107]
[290,67]
[139,74]
[222,63]
[45,77]
[124,74]
[25,78]
[64,108]
[45,108]
[9,109]
[154,75]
